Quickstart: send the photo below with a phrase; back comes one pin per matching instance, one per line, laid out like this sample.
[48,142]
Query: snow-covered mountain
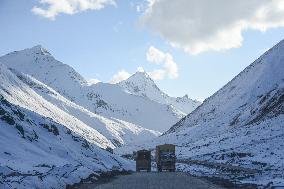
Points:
[114,102]
[55,126]
[256,94]
[237,133]
[42,146]
[118,132]
[37,152]
[141,84]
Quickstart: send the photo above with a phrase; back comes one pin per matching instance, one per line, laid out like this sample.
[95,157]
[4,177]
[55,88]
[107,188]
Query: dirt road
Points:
[154,180]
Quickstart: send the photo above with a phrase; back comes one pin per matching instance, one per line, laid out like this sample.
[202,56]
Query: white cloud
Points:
[55,7]
[120,76]
[204,25]
[157,74]
[166,60]
[93,81]
[154,55]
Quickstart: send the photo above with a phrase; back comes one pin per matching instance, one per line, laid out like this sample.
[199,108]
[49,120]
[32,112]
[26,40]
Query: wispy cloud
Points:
[157,74]
[169,67]
[120,76]
[204,25]
[155,56]
[56,7]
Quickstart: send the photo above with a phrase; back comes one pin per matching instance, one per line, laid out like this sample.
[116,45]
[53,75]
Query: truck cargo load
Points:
[143,160]
[165,157]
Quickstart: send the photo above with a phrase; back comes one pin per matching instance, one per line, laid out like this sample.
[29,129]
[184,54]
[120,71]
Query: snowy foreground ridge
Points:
[38,151]
[56,127]
[237,133]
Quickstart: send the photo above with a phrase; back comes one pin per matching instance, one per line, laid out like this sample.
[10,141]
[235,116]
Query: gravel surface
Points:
[154,180]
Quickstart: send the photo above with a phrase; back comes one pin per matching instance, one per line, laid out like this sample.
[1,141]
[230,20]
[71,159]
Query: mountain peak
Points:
[140,83]
[141,74]
[39,49]
[140,77]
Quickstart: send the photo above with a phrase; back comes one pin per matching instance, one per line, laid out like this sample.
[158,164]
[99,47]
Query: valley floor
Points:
[154,180]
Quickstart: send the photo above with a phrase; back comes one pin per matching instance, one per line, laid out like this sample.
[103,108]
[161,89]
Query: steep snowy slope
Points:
[238,133]
[141,84]
[119,104]
[38,152]
[117,131]
[17,92]
[40,64]
[111,101]
[254,95]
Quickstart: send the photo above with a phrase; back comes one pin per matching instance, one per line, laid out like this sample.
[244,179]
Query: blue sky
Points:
[100,43]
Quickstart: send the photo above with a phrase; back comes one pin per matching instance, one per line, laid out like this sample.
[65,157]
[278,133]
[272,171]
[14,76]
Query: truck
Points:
[143,160]
[165,157]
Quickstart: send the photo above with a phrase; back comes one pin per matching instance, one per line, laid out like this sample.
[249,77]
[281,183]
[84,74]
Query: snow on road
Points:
[164,180]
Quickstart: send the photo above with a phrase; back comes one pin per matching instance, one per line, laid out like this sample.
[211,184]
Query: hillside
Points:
[141,84]
[43,146]
[238,132]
